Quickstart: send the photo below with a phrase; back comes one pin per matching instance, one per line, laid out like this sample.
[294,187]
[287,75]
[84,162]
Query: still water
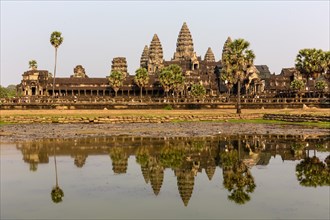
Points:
[223,177]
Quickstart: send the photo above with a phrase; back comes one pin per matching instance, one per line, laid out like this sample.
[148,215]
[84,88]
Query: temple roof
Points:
[155,49]
[209,56]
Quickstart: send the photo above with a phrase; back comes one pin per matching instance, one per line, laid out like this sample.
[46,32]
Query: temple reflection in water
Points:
[188,157]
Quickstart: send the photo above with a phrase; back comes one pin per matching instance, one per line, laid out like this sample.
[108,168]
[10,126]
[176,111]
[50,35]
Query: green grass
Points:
[264,121]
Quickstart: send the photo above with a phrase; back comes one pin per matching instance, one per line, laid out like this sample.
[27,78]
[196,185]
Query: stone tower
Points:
[225,46]
[185,48]
[144,57]
[155,61]
[156,175]
[186,180]
[119,160]
[145,173]
[119,64]
[79,72]
[184,45]
[209,56]
[210,168]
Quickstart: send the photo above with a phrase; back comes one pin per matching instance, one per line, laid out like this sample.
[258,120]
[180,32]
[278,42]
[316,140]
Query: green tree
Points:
[141,79]
[313,172]
[171,77]
[297,85]
[312,62]
[236,61]
[198,90]
[321,85]
[56,40]
[116,80]
[8,92]
[33,64]
[237,178]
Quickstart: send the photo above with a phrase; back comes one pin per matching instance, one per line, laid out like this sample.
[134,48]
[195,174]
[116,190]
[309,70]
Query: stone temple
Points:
[204,71]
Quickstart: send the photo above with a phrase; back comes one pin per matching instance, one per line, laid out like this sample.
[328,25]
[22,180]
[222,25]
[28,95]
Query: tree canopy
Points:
[171,78]
[33,64]
[312,62]
[116,80]
[141,78]
[198,90]
[56,39]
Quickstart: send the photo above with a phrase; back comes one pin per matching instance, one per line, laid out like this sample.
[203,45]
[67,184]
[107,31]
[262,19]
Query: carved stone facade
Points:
[119,64]
[155,56]
[79,72]
[144,57]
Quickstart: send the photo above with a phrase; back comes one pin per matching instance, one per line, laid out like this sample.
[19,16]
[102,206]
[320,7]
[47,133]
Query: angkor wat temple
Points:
[205,71]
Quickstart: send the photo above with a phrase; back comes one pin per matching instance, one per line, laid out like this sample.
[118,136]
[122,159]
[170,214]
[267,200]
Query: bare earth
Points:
[24,132]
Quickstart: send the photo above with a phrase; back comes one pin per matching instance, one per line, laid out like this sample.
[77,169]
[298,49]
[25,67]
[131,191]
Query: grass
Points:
[263,121]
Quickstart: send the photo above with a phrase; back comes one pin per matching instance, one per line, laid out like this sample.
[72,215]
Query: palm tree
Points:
[33,64]
[56,193]
[198,90]
[166,80]
[141,79]
[116,80]
[311,62]
[171,77]
[56,40]
[236,61]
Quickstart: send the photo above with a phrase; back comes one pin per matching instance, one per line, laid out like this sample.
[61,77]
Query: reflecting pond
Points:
[222,177]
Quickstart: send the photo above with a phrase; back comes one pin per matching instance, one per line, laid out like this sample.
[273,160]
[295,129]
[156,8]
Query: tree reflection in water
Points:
[237,178]
[56,193]
[313,172]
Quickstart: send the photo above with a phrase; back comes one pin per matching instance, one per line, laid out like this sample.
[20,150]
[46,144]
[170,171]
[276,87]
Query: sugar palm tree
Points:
[141,79]
[166,80]
[311,62]
[116,80]
[56,40]
[171,77]
[236,61]
[33,64]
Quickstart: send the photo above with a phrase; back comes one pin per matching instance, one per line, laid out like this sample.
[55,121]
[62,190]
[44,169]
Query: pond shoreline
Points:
[28,132]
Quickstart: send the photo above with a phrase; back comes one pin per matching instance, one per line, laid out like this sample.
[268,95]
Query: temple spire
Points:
[155,62]
[184,45]
[144,57]
[209,56]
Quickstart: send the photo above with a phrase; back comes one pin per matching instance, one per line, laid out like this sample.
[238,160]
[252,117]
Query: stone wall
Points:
[297,118]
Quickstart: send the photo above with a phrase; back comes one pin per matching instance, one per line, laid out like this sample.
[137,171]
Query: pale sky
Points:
[97,31]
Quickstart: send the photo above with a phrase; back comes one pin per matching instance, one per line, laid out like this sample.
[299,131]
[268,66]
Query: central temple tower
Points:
[185,48]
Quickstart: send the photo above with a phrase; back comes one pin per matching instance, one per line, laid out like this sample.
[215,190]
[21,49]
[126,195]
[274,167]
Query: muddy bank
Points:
[24,132]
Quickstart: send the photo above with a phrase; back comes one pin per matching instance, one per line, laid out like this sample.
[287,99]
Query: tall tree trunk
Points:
[141,92]
[54,72]
[239,97]
[116,92]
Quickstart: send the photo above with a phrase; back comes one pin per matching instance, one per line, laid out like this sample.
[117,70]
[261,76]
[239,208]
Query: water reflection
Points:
[57,193]
[188,157]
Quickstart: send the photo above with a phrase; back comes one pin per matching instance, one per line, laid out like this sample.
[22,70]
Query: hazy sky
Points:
[97,31]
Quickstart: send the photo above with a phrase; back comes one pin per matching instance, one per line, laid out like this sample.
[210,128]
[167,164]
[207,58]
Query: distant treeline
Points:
[8,92]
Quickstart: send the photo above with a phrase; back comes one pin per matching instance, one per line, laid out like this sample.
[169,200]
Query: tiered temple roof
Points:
[144,57]
[184,45]
[209,56]
[119,64]
[155,62]
[186,181]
